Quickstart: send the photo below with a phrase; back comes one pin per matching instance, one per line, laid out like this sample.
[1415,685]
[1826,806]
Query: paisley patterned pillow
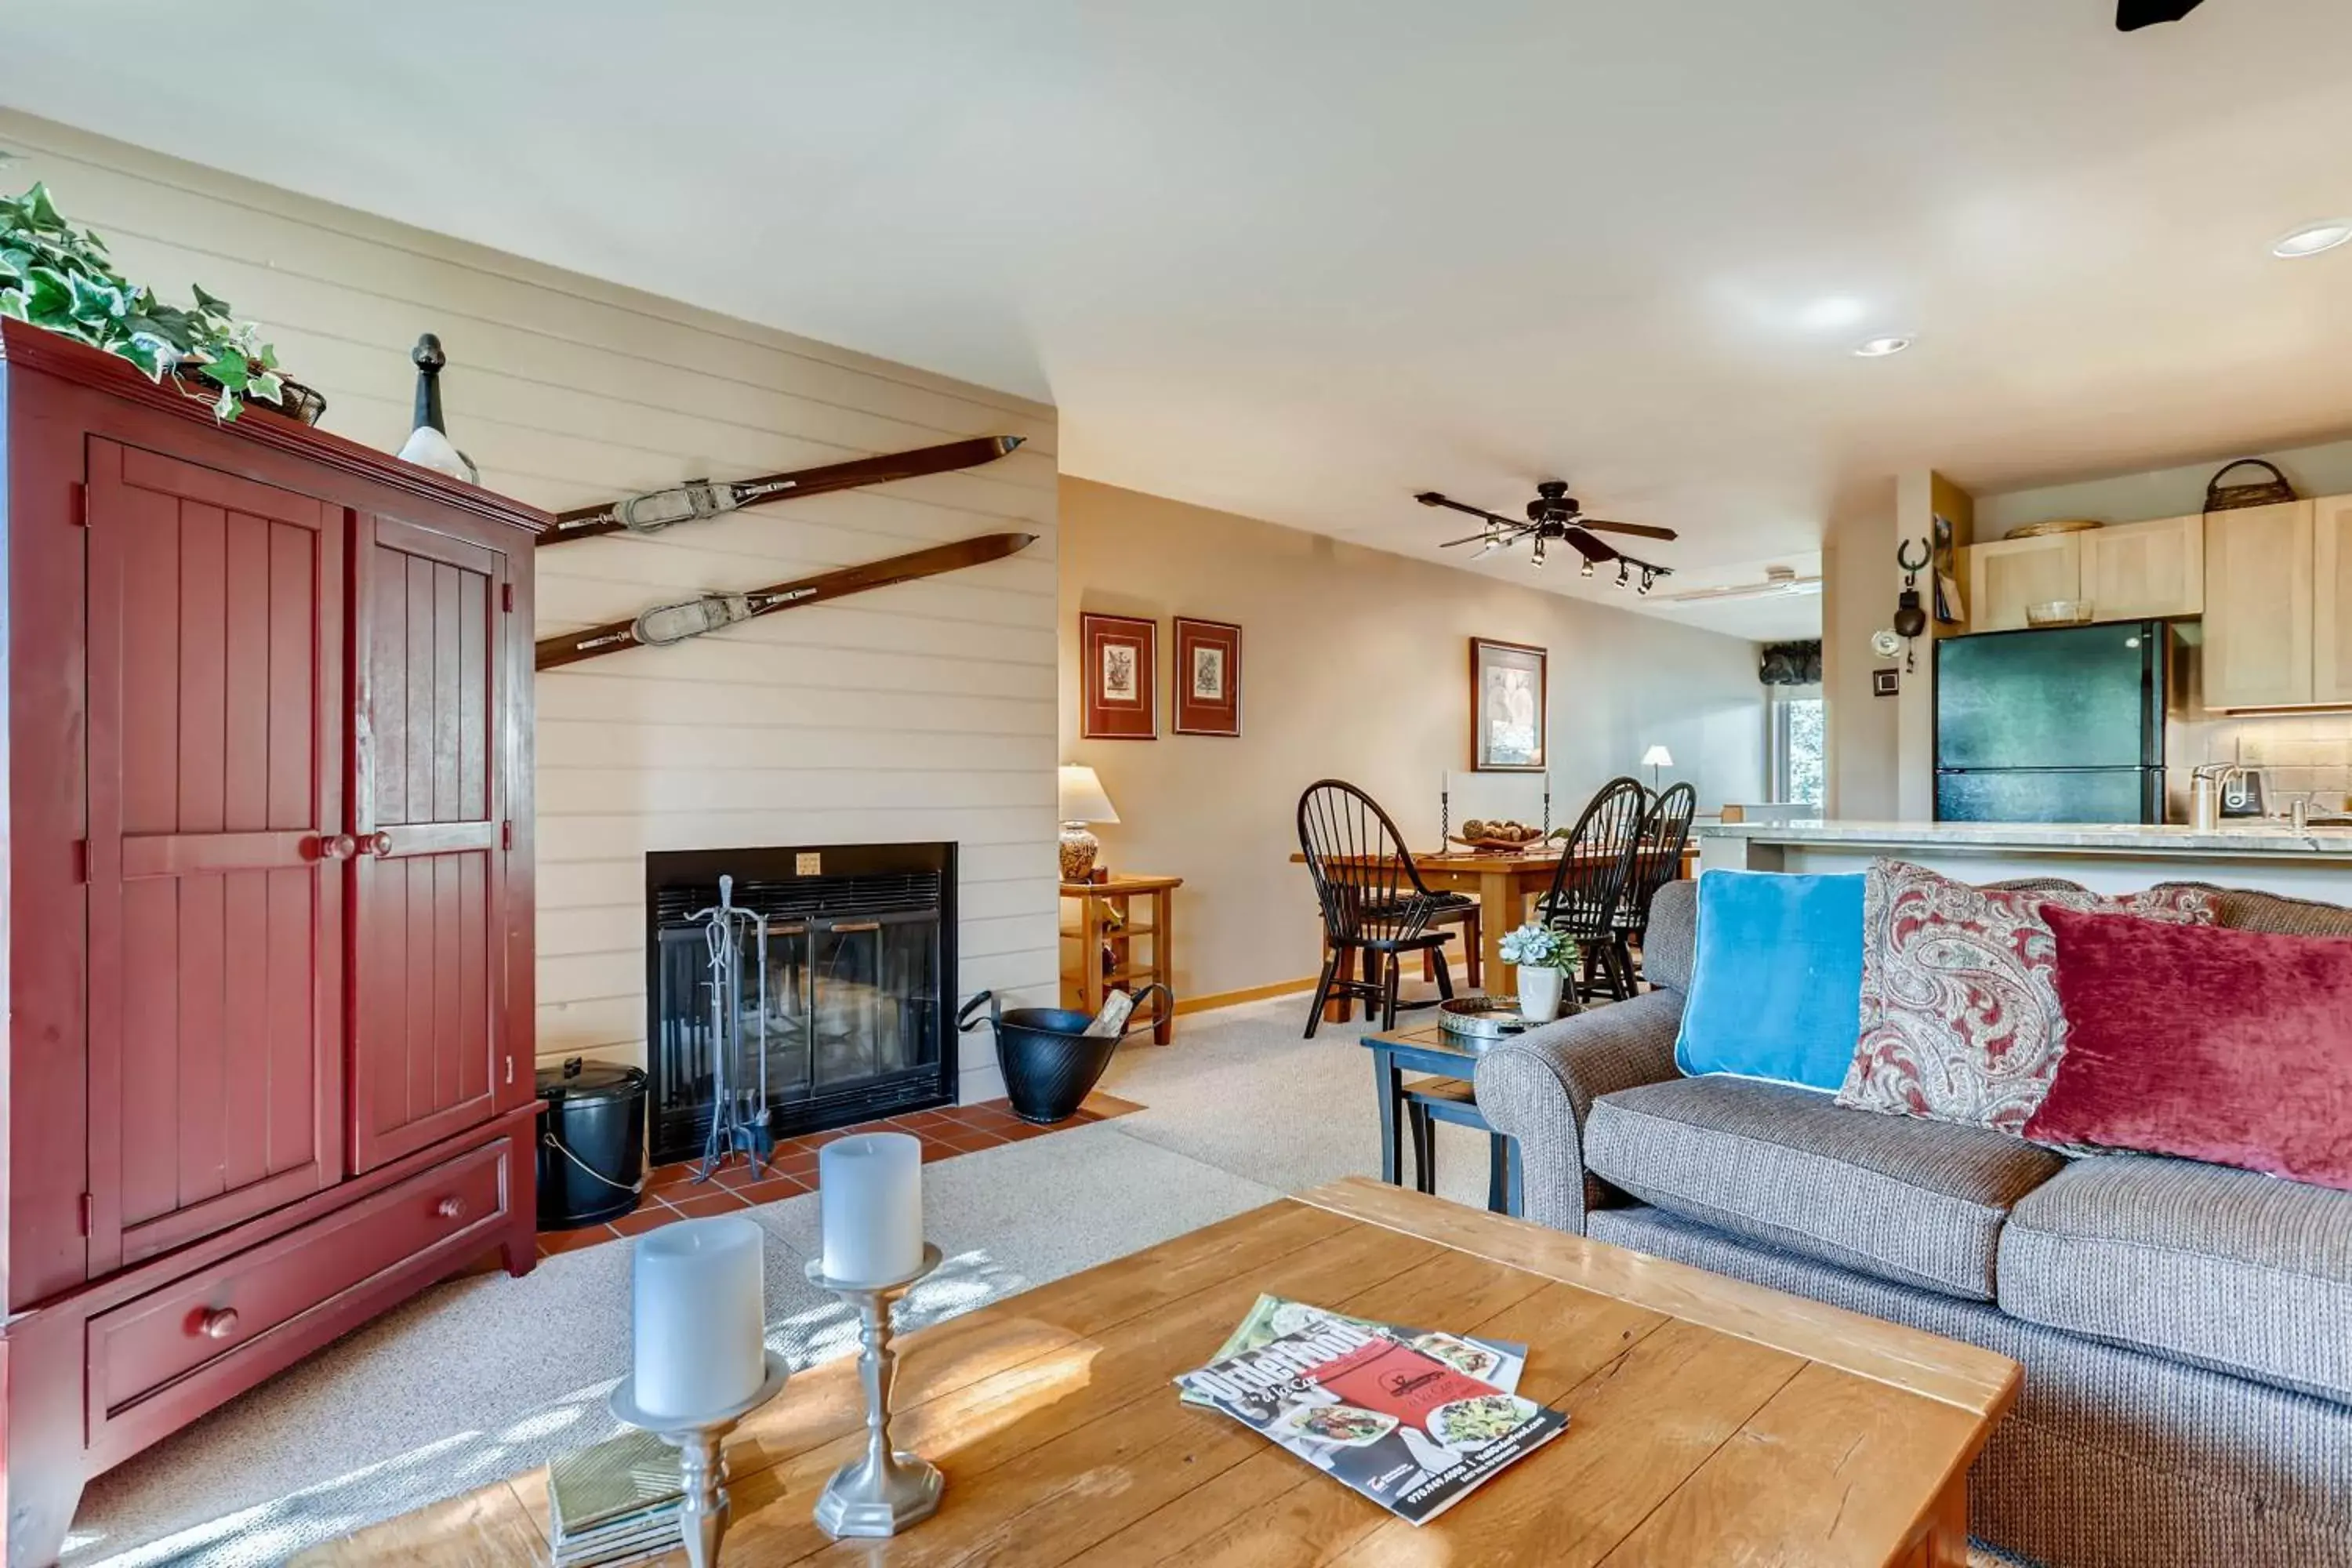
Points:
[1960,1020]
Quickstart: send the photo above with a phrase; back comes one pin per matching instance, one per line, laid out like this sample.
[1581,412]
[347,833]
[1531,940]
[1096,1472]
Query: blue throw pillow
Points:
[1776,987]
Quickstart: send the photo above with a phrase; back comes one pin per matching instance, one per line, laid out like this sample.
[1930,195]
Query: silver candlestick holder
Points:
[702,1471]
[888,1489]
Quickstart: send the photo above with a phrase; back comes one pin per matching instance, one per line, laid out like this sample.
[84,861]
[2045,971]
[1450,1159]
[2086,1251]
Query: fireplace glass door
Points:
[851,1022]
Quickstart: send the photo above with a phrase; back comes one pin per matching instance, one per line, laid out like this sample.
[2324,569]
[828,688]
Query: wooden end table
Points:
[1709,1420]
[1106,915]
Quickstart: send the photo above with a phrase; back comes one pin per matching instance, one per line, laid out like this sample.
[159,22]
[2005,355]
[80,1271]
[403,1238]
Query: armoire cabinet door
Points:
[429,785]
[217,698]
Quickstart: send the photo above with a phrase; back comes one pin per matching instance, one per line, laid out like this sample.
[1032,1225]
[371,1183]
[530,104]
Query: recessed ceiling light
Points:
[2312,239]
[1879,348]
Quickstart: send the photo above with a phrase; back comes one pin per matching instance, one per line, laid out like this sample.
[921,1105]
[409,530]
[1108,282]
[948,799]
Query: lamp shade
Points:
[1082,796]
[1655,757]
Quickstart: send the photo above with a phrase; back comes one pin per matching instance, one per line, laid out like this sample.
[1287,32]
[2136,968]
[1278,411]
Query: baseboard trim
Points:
[1251,993]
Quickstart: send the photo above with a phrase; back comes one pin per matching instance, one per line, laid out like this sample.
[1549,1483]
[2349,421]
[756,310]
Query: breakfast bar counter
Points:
[2314,863]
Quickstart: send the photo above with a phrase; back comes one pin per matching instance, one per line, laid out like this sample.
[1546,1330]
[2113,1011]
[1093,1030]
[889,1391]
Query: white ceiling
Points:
[1302,261]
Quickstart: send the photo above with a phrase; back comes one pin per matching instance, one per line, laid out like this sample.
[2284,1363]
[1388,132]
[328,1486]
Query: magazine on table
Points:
[1498,1362]
[1386,1419]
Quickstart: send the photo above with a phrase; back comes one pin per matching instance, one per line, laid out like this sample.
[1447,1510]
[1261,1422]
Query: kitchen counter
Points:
[2111,858]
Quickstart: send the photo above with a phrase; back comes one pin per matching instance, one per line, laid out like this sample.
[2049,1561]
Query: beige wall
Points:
[1355,665]
[1857,598]
[915,713]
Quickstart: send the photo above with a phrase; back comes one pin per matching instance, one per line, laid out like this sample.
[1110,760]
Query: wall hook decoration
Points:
[1910,615]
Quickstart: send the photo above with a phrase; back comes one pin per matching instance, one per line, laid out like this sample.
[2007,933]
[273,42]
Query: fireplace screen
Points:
[852,1020]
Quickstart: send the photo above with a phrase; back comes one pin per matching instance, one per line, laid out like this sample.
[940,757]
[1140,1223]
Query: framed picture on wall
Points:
[1119,677]
[1507,693]
[1208,678]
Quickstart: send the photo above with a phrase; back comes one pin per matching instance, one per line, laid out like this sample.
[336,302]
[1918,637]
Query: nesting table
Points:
[1428,1048]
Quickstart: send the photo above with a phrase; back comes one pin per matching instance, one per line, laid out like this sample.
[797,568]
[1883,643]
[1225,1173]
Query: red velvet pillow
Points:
[2232,1047]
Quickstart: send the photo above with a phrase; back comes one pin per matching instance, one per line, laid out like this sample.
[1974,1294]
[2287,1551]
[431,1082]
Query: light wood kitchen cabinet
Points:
[2008,575]
[2331,606]
[2258,607]
[2146,570]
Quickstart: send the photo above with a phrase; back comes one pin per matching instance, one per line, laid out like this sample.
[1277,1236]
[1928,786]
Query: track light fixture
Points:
[1585,570]
[1539,551]
[1649,580]
[1622,576]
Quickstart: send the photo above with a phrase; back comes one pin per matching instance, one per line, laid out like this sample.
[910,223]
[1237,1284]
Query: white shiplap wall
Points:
[921,711]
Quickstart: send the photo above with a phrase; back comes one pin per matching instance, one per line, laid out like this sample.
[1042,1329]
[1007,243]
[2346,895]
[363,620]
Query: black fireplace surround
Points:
[861,971]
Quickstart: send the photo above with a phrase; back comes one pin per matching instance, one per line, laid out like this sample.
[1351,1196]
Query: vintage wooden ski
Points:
[697,500]
[666,623]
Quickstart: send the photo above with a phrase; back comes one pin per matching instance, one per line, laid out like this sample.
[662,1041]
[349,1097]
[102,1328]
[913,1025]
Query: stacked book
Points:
[614,1502]
[1412,1419]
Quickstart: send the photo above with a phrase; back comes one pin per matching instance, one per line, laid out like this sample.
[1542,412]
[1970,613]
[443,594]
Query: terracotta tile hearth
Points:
[672,1193]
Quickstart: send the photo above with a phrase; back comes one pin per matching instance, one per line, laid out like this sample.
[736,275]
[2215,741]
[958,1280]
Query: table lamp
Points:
[1082,800]
[1653,759]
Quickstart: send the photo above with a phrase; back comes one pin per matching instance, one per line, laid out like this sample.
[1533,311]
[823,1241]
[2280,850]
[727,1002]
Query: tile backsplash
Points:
[2298,753]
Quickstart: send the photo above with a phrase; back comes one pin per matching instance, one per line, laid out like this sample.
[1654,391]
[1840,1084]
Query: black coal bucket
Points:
[1050,1063]
[592,1143]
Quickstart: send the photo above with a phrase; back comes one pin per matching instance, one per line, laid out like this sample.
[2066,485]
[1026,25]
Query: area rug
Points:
[482,1378]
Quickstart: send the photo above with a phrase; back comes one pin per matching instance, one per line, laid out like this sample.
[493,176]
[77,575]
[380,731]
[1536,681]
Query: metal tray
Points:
[1481,1019]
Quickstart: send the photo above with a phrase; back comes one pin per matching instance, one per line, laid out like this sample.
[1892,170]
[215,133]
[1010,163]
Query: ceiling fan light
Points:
[1539,551]
[1622,576]
[1585,570]
[2312,240]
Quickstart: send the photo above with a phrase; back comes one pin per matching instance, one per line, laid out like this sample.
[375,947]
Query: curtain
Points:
[1791,664]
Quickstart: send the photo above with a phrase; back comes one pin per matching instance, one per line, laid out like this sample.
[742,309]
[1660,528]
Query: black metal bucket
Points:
[592,1143]
[1050,1064]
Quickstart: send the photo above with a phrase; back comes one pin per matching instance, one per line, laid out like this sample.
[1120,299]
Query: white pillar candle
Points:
[870,1200]
[701,1297]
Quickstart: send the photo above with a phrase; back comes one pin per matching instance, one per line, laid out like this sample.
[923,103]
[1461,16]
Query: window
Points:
[1799,760]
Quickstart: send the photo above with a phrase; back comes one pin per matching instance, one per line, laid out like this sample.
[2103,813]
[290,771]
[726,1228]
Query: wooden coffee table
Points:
[1711,1421]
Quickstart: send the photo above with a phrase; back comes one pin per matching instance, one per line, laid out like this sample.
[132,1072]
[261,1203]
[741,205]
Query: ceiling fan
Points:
[2131,15]
[1555,514]
[1780,583]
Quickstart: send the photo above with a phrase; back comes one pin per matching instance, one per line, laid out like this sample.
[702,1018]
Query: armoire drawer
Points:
[253,1307]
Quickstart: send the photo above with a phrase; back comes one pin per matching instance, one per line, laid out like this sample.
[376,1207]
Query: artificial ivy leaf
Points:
[229,372]
[40,212]
[210,304]
[94,301]
[10,270]
[267,356]
[17,258]
[12,304]
[265,388]
[47,295]
[90,236]
[226,407]
[149,352]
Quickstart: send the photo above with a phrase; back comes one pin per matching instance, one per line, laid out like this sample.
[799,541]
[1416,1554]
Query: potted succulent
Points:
[1544,958]
[59,278]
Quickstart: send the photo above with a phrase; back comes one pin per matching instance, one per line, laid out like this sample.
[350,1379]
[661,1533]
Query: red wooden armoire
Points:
[268,956]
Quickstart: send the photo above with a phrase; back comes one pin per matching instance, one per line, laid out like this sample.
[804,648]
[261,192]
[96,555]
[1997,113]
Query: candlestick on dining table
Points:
[870,1208]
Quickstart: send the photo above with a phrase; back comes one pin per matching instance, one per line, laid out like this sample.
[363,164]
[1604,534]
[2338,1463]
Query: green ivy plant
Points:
[57,277]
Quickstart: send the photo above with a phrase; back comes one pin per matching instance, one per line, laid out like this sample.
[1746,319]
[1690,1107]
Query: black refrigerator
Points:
[2062,725]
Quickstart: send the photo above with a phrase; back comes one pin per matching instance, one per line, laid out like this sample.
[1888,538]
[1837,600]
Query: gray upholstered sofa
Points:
[2186,1330]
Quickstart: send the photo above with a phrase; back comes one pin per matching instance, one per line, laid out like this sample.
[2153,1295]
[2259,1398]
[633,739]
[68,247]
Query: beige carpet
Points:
[486,1377]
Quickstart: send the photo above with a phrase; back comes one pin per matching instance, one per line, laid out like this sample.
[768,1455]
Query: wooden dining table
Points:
[1503,881]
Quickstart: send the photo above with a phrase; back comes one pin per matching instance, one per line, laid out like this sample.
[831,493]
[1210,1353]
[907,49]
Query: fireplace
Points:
[860,970]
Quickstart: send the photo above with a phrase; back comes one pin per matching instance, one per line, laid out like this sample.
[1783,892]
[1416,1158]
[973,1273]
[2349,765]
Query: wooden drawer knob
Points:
[450,1208]
[218,1323]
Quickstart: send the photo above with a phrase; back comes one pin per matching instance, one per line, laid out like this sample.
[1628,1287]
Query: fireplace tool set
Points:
[739,1059]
